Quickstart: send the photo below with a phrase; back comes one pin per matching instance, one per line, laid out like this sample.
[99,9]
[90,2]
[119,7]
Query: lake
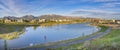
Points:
[22,36]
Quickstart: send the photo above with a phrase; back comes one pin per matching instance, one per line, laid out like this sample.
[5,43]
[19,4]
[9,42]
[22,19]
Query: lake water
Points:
[28,35]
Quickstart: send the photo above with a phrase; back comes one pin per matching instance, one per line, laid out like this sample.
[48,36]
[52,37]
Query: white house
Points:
[7,20]
[118,21]
[20,20]
[42,20]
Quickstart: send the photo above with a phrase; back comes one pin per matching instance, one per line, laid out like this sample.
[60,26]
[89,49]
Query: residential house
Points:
[7,21]
[101,21]
[60,20]
[56,21]
[20,20]
[1,19]
[118,21]
[42,20]
[33,21]
[66,20]
[114,21]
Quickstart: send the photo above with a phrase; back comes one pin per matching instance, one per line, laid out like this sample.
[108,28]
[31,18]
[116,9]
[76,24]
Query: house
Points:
[20,20]
[114,21]
[60,20]
[56,21]
[33,21]
[42,20]
[7,21]
[1,19]
[101,21]
[66,20]
[118,21]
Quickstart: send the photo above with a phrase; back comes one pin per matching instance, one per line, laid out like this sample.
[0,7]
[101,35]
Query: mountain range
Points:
[50,16]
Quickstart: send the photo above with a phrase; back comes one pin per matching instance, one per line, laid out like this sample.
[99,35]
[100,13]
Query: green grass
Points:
[103,28]
[32,24]
[113,36]
[11,35]
[110,41]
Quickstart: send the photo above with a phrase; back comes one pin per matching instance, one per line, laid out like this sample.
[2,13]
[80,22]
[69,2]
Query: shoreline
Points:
[37,24]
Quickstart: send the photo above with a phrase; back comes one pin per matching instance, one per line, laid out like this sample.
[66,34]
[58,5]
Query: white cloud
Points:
[105,0]
[10,7]
[4,8]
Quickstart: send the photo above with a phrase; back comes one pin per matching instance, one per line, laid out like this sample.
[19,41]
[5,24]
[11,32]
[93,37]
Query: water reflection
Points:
[10,32]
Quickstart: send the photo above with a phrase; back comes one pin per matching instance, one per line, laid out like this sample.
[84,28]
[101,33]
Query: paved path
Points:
[74,42]
[86,39]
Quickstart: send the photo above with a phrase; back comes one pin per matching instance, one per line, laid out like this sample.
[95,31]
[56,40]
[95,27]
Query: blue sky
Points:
[87,8]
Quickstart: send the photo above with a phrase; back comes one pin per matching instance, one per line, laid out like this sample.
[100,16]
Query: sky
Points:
[109,9]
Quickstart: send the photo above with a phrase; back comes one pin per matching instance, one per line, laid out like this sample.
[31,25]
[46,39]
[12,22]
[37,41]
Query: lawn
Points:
[110,41]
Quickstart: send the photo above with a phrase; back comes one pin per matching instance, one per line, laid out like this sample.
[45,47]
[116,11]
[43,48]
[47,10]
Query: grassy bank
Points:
[34,24]
[110,41]
[10,28]
[9,32]
[103,28]
[11,36]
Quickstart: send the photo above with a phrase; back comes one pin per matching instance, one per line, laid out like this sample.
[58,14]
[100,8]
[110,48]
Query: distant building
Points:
[7,20]
[102,21]
[113,20]
[60,20]
[20,20]
[56,20]
[1,19]
[65,20]
[33,21]
[42,20]
[118,21]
